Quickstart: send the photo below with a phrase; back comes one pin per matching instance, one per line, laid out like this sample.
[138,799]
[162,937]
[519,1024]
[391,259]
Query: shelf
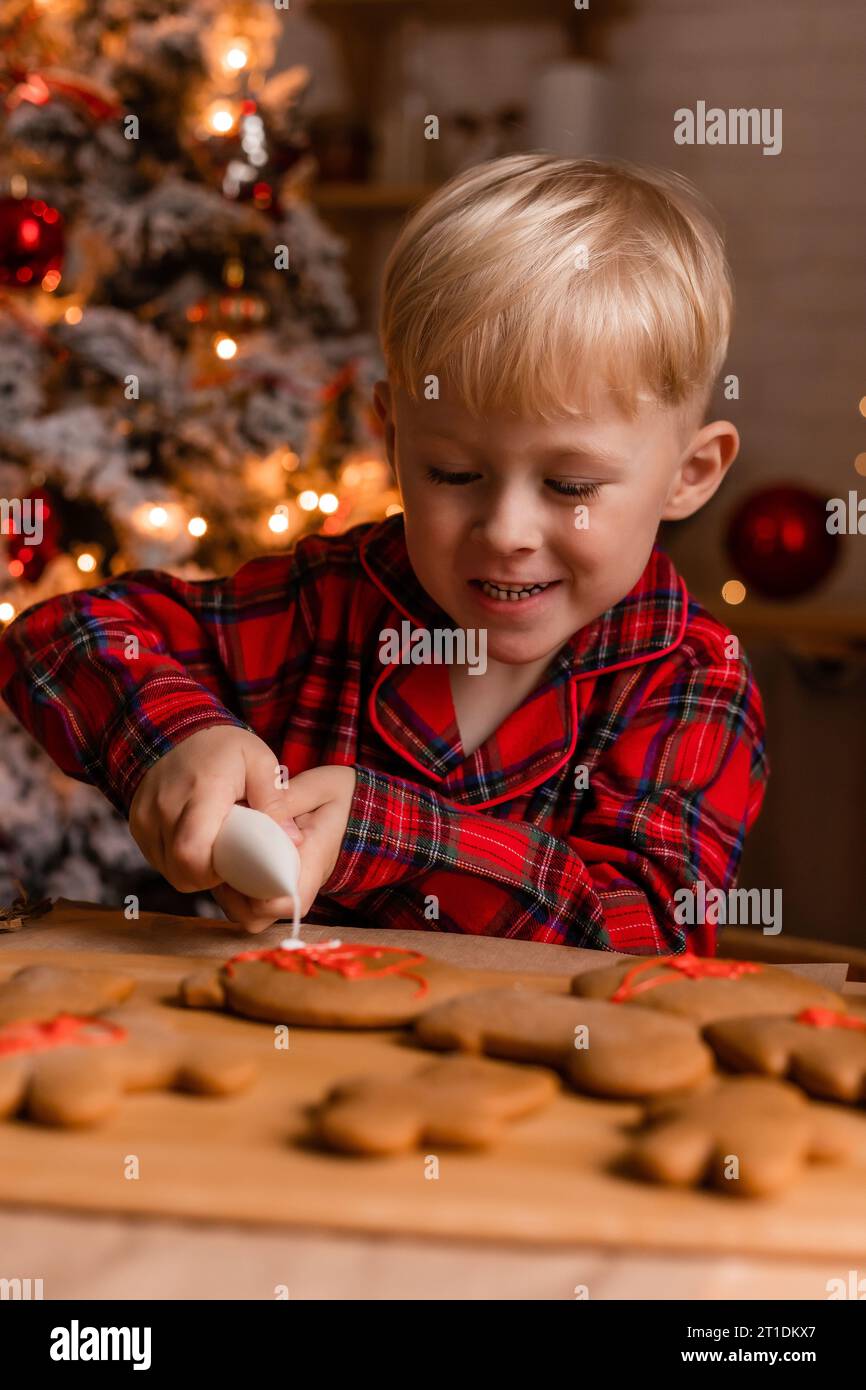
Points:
[450,9]
[369,197]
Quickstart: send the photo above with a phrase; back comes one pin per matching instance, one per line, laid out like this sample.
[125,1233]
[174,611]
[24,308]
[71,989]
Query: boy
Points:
[552,330]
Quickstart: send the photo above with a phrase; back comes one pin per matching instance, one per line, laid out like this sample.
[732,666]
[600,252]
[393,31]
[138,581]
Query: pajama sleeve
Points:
[667,804]
[109,679]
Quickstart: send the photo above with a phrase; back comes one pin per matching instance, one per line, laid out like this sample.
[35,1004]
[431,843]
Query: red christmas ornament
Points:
[779,542]
[32,241]
[33,536]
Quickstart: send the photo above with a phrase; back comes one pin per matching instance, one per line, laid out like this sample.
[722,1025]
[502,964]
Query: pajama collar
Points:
[412,709]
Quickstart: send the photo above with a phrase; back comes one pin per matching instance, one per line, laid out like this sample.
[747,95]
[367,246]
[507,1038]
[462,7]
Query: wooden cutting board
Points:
[247,1158]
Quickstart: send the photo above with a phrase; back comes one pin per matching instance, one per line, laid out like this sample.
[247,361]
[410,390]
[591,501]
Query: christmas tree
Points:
[182,382]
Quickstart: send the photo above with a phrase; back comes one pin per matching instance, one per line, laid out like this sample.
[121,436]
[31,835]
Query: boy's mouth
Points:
[511,593]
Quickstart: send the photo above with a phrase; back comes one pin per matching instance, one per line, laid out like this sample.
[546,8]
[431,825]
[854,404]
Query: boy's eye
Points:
[440,475]
[585,491]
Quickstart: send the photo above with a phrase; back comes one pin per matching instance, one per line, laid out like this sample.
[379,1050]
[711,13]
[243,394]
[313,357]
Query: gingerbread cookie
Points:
[72,1070]
[747,1137]
[331,985]
[822,1050]
[461,1102]
[600,1049]
[41,991]
[703,990]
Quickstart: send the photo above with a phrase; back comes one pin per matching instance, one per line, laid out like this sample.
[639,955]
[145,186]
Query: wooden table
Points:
[97,1256]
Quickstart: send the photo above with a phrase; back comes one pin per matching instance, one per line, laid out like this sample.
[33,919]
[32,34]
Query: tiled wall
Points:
[796,227]
[796,230]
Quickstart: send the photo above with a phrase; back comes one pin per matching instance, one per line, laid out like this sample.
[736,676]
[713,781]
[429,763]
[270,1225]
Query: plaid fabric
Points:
[632,771]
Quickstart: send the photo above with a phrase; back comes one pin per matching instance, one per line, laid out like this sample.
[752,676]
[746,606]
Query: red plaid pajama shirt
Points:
[633,770]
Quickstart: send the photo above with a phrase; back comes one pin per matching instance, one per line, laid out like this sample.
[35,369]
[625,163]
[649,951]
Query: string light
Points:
[15,568]
[253,139]
[220,119]
[86,562]
[28,232]
[308,500]
[225,347]
[7,612]
[278,521]
[164,521]
[263,195]
[328,502]
[233,273]
[196,526]
[74,314]
[50,280]
[733,591]
[236,58]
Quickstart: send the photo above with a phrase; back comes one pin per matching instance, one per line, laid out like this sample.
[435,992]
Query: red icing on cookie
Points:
[346,960]
[828,1018]
[66,1030]
[688,966]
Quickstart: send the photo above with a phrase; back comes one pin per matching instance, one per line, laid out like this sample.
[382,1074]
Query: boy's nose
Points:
[509,525]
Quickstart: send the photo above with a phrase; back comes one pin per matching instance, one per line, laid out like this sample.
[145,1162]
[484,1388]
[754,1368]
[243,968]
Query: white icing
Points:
[294,943]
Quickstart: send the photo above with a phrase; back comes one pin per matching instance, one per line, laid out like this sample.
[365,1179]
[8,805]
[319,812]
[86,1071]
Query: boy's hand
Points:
[182,801]
[320,801]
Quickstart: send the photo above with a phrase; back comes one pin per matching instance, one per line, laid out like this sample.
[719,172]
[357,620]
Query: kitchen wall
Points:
[795,229]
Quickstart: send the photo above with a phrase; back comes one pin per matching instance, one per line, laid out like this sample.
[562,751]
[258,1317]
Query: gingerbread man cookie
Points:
[72,1070]
[330,985]
[461,1102]
[599,1048]
[42,991]
[822,1050]
[747,1137]
[703,989]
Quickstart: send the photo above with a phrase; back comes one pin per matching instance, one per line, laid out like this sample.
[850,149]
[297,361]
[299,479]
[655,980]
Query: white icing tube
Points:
[255,856]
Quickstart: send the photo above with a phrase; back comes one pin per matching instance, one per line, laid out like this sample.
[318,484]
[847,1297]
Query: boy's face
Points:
[490,509]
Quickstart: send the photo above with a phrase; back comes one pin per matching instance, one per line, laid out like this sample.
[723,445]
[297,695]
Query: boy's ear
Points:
[383,404]
[382,399]
[701,469]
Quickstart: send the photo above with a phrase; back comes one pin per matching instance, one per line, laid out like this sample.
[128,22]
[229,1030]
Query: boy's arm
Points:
[668,805]
[108,679]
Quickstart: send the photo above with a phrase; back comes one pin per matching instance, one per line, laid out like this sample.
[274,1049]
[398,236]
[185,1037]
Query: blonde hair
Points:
[527,281]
